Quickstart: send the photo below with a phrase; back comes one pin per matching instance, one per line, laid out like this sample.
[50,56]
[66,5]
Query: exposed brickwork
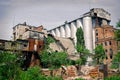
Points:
[70,71]
[105,35]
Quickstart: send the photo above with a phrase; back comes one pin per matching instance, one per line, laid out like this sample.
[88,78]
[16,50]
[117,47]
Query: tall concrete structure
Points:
[87,22]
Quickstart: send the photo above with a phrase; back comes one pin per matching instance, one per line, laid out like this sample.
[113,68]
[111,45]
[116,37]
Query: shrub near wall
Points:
[113,78]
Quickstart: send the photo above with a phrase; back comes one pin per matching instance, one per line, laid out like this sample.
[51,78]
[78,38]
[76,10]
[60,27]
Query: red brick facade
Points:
[104,35]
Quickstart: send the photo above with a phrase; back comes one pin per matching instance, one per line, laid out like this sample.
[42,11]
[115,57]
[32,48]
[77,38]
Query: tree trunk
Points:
[97,60]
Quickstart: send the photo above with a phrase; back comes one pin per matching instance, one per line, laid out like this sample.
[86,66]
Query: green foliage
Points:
[117,34]
[34,73]
[116,60]
[48,41]
[9,67]
[79,79]
[54,59]
[31,74]
[81,61]
[80,47]
[7,57]
[118,24]
[99,54]
[80,37]
[53,78]
[113,78]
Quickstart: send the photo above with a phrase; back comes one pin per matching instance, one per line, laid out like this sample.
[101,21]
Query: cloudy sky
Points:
[49,13]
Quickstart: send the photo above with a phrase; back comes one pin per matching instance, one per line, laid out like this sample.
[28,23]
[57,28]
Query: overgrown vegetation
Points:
[99,54]
[113,78]
[10,69]
[116,61]
[79,79]
[117,32]
[9,66]
[53,59]
[48,40]
[80,47]
[34,73]
[116,58]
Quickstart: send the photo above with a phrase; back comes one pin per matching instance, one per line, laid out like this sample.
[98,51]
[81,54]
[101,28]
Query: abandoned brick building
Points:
[104,35]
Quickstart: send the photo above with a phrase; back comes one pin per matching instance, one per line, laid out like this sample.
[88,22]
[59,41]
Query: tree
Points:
[10,69]
[116,58]
[99,54]
[117,33]
[9,66]
[49,40]
[34,73]
[116,61]
[118,24]
[116,77]
[53,59]
[80,46]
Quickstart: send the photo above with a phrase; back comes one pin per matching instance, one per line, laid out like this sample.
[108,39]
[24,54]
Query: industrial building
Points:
[104,35]
[88,21]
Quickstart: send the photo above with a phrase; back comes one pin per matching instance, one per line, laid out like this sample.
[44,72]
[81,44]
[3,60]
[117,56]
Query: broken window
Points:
[25,45]
[96,39]
[106,57]
[96,32]
[40,46]
[13,44]
[110,43]
[105,43]
[111,53]
[106,50]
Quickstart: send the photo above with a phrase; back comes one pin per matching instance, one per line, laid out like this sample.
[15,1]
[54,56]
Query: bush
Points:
[79,79]
[115,61]
[34,73]
[9,67]
[113,78]
[53,60]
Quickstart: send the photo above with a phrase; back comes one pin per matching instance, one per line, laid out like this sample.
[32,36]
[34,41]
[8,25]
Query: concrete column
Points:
[93,38]
[53,32]
[62,31]
[67,31]
[57,31]
[88,33]
[73,32]
[79,23]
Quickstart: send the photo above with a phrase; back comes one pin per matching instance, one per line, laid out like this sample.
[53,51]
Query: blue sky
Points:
[49,13]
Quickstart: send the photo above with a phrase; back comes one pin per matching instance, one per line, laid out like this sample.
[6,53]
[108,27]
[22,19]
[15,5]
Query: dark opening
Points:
[111,53]
[105,43]
[110,43]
